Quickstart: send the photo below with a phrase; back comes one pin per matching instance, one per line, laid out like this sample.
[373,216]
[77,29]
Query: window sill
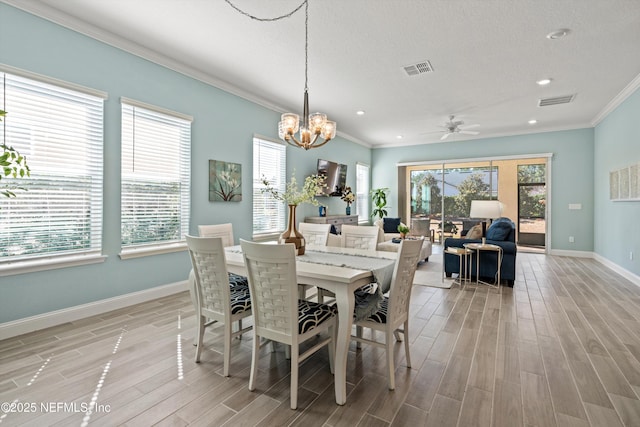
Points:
[150,250]
[50,263]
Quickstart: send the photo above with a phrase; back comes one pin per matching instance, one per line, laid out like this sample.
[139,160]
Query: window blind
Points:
[269,160]
[60,131]
[362,191]
[155,194]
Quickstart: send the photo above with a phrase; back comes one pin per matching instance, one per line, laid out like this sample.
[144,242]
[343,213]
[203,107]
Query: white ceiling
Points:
[486,55]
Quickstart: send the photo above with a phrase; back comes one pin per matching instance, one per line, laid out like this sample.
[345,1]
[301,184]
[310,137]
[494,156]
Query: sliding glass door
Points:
[440,196]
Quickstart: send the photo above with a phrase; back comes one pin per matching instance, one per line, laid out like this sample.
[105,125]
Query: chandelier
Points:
[314,125]
[315,130]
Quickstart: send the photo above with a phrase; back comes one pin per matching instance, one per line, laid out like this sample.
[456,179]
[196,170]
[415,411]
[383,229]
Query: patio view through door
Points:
[532,198]
[440,197]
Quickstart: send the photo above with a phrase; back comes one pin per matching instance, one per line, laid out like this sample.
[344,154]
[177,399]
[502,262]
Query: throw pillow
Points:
[499,230]
[390,225]
[475,232]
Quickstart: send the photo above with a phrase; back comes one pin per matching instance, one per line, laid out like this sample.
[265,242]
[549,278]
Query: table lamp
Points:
[486,210]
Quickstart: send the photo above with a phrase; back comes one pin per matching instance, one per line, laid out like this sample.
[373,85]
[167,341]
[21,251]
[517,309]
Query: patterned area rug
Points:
[430,273]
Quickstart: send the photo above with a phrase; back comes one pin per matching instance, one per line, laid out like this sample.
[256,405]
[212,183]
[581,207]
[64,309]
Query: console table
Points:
[336,220]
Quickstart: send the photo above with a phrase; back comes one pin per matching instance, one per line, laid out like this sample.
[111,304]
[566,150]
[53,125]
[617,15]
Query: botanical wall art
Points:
[225,181]
[624,184]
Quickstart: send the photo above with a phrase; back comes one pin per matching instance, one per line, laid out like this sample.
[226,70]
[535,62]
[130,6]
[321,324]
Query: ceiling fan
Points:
[453,126]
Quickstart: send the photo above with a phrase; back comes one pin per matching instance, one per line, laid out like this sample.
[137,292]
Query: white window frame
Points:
[269,160]
[156,152]
[363,186]
[58,126]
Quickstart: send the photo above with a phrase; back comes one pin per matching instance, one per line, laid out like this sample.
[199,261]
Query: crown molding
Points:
[617,100]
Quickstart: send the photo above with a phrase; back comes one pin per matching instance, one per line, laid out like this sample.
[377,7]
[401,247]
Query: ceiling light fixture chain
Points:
[313,125]
[255,18]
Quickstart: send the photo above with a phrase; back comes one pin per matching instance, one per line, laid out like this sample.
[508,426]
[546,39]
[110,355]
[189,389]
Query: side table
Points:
[465,264]
[478,248]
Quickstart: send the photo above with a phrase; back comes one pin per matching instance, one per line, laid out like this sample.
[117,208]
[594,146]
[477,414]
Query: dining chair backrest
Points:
[360,237]
[274,290]
[211,276]
[315,234]
[225,231]
[402,280]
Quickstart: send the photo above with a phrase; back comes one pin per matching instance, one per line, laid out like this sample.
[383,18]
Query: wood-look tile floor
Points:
[560,348]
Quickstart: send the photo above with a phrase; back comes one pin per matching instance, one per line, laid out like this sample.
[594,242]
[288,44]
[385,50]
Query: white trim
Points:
[71,314]
[617,100]
[268,139]
[140,104]
[632,277]
[475,159]
[50,263]
[52,81]
[571,253]
[150,250]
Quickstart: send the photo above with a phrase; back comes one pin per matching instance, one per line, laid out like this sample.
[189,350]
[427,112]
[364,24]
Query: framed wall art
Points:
[225,181]
[624,184]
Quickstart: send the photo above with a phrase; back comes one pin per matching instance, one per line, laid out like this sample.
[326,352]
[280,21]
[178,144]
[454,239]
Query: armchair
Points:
[502,232]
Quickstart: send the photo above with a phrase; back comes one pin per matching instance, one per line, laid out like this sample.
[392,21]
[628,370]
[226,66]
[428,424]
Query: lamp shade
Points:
[485,209]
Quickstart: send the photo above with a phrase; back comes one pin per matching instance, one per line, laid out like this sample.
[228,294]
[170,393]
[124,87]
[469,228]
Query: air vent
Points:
[544,102]
[419,68]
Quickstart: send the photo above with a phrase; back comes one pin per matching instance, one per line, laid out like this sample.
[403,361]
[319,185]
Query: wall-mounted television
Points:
[335,177]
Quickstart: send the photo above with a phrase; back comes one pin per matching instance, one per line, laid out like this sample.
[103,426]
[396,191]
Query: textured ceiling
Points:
[486,55]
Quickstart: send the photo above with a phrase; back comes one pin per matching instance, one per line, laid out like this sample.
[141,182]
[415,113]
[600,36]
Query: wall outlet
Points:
[631,256]
[571,239]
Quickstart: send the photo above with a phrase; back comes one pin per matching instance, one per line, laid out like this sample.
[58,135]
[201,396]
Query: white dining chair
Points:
[216,300]
[393,316]
[360,236]
[315,234]
[278,314]
[225,231]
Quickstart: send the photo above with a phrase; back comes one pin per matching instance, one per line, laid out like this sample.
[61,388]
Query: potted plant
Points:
[348,197]
[379,198]
[403,230]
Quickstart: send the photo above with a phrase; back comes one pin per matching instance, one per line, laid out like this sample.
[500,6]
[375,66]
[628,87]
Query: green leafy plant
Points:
[379,198]
[13,164]
[449,227]
[403,229]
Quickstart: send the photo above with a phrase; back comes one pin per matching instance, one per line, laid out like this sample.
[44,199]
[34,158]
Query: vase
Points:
[322,210]
[291,234]
[348,210]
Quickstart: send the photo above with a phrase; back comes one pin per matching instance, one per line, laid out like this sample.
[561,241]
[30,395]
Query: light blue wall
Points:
[571,169]
[223,128]
[617,224]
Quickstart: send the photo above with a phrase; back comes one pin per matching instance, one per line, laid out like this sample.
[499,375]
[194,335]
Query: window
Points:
[362,192]
[58,127]
[269,161]
[156,147]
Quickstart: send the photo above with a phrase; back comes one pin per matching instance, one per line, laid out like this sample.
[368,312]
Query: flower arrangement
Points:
[348,196]
[292,195]
[12,164]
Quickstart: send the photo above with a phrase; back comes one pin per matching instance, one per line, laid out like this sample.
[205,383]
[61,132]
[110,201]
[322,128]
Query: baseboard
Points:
[53,318]
[575,254]
[632,277]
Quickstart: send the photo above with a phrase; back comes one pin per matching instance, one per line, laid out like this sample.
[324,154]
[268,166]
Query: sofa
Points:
[501,232]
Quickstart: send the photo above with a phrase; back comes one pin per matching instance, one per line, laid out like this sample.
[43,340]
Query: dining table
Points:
[342,275]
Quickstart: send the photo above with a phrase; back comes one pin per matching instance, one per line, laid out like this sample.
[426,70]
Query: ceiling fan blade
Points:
[469,132]
[445,136]
[471,126]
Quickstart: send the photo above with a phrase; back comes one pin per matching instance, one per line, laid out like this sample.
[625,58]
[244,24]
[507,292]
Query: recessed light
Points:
[360,112]
[399,137]
[533,121]
[543,82]
[558,34]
